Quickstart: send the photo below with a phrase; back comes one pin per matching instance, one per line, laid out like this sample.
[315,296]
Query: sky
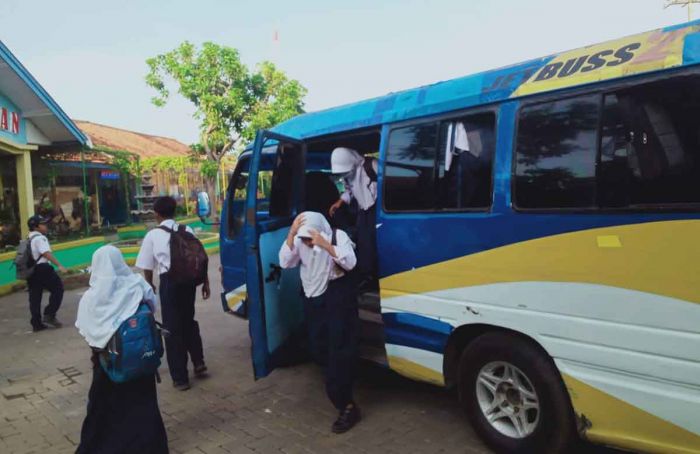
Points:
[90,54]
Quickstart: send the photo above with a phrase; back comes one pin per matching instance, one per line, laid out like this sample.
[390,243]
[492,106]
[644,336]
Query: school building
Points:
[30,121]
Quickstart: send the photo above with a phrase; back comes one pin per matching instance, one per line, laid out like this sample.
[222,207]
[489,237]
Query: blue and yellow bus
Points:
[538,231]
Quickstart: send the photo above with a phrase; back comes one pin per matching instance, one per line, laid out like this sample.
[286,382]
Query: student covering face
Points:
[309,245]
[330,306]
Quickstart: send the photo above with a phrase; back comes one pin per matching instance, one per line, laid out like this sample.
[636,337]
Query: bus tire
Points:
[514,396]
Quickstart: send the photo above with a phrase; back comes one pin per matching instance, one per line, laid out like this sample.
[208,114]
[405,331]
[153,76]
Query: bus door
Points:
[275,309]
[232,242]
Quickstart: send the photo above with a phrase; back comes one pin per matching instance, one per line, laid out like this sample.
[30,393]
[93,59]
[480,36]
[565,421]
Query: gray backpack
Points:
[24,260]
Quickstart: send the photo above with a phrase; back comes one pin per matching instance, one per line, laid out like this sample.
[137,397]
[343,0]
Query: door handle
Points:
[275,274]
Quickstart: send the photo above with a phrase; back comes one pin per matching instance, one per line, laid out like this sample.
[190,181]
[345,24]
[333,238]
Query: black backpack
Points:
[189,262]
[369,169]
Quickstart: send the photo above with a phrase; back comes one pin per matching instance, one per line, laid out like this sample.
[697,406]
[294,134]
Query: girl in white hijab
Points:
[114,295]
[361,186]
[330,305]
[121,417]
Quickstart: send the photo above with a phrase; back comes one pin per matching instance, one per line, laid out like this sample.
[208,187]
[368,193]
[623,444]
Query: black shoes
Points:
[184,386]
[347,419]
[38,328]
[52,321]
[200,371]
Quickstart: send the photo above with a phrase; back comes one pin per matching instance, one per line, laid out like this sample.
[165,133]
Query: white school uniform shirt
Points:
[40,245]
[155,248]
[318,266]
[359,186]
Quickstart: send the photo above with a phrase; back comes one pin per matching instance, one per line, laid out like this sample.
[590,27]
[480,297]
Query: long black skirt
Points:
[122,418]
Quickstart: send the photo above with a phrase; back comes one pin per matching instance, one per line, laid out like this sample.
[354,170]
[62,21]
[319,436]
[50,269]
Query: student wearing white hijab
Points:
[120,417]
[114,295]
[360,178]
[326,256]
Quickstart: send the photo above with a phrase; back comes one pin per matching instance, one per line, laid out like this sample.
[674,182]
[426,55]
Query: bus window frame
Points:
[493,109]
[601,90]
[231,194]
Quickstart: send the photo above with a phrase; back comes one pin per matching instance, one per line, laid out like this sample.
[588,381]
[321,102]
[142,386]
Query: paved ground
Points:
[44,380]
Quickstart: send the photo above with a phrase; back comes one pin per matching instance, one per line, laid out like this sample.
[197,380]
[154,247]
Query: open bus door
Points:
[232,240]
[275,309]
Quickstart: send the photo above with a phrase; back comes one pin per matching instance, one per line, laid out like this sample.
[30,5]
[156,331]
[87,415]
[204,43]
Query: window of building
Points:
[556,154]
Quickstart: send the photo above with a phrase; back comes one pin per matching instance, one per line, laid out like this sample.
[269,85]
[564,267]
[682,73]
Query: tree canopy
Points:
[231,101]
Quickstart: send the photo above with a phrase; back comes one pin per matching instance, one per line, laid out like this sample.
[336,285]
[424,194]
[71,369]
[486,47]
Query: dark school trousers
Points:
[44,278]
[177,306]
[332,323]
[367,243]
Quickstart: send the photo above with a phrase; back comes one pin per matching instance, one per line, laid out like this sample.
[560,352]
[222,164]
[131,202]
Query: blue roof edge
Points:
[36,87]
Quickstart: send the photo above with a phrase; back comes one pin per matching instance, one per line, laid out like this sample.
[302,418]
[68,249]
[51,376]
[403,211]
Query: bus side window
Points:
[650,146]
[283,189]
[237,197]
[465,162]
[556,151]
[409,179]
[238,193]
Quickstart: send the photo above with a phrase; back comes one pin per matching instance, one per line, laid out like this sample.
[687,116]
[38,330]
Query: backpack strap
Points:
[368,165]
[31,261]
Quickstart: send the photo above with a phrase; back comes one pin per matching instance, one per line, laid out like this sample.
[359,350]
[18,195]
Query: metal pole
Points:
[85,193]
[187,193]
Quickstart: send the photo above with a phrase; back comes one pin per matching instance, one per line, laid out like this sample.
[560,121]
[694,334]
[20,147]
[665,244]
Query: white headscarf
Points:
[114,295]
[317,264]
[357,183]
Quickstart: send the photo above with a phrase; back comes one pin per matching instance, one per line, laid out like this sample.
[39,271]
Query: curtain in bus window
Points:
[465,177]
[556,152]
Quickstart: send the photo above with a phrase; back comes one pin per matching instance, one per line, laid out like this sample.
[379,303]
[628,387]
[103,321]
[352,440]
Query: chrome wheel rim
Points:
[507,399]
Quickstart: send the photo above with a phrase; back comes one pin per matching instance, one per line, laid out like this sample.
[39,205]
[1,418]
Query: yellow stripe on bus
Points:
[658,258]
[619,423]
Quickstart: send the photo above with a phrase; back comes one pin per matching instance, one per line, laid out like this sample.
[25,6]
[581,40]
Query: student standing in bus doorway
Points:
[44,276]
[330,304]
[360,179]
[176,298]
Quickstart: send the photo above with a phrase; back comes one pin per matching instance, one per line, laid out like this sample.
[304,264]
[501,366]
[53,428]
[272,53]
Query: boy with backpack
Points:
[181,262]
[33,265]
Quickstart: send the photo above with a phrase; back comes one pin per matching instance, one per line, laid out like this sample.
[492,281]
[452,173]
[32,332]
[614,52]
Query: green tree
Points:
[231,101]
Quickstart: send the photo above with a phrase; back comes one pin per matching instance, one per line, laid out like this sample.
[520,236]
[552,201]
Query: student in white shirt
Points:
[326,257]
[360,178]
[176,299]
[44,276]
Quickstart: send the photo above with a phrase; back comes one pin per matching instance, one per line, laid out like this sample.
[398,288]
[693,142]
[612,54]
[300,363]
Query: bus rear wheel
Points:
[514,396]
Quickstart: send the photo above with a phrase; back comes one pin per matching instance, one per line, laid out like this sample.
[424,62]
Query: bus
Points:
[538,234]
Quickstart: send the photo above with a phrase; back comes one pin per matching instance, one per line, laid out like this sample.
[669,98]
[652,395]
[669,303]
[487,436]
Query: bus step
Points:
[374,354]
[370,302]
